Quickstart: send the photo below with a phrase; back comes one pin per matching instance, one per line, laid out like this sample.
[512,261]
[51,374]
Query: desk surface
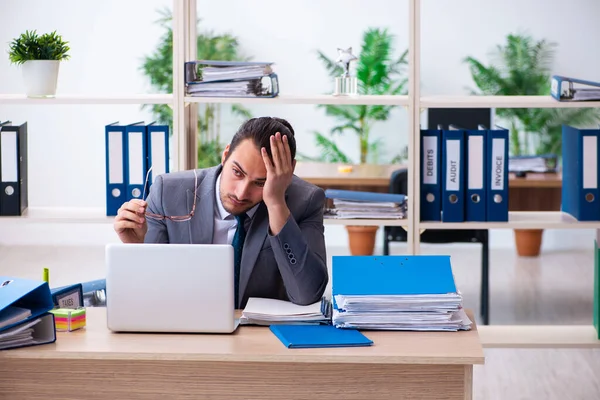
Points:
[252,344]
[376,175]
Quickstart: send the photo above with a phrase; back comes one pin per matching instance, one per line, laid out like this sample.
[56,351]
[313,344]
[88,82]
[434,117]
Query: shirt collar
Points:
[223,213]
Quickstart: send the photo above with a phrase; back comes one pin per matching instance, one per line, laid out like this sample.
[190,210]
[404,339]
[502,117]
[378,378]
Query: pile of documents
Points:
[260,311]
[414,293]
[230,79]
[357,204]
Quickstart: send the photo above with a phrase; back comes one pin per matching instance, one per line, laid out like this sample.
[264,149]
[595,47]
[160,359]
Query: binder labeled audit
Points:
[563,88]
[24,313]
[497,174]
[431,188]
[13,169]
[475,163]
[116,163]
[453,202]
[580,188]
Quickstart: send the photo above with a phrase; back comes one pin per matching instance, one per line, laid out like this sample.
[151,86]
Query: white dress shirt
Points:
[225,223]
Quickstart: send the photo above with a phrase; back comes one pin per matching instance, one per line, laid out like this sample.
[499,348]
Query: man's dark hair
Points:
[260,130]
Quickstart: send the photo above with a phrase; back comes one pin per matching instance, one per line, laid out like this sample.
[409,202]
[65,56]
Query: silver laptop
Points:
[170,288]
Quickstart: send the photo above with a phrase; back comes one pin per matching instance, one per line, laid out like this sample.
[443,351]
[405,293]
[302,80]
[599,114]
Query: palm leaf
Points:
[328,150]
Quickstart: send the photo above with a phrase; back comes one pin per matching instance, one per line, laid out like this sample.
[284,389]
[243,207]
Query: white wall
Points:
[109,39]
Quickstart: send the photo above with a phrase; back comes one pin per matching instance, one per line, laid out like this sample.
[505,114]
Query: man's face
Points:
[243,177]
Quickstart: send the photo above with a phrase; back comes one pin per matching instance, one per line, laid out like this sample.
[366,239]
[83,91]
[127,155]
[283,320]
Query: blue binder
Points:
[580,186]
[116,164]
[157,152]
[431,189]
[137,160]
[497,174]
[570,93]
[392,275]
[311,336]
[18,296]
[453,186]
[475,163]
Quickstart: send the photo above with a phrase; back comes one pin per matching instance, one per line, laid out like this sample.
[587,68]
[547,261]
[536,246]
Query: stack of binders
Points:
[396,293]
[464,174]
[13,169]
[208,78]
[581,173]
[358,204]
[135,155]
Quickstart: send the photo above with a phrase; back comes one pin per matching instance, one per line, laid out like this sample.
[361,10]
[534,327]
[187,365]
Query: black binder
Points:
[13,169]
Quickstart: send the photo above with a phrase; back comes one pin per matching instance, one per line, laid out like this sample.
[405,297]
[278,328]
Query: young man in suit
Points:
[283,253]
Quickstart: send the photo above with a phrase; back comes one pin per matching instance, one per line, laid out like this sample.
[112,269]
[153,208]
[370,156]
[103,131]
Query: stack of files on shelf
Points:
[261,311]
[543,163]
[396,293]
[581,173]
[563,89]
[25,318]
[209,78]
[136,154]
[464,174]
[356,204]
[14,198]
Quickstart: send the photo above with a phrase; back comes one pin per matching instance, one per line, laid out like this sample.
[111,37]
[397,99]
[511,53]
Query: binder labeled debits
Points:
[431,199]
[581,188]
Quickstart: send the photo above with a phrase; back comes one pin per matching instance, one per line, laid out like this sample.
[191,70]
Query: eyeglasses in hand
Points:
[174,218]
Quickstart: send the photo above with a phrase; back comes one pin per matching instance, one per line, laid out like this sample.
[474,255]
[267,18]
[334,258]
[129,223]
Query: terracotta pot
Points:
[361,239]
[528,241]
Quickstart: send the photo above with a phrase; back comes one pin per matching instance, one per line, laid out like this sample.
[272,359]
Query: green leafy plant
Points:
[377,73]
[523,66]
[31,46]
[159,68]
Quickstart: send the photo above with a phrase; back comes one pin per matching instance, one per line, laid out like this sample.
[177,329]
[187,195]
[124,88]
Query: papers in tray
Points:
[260,311]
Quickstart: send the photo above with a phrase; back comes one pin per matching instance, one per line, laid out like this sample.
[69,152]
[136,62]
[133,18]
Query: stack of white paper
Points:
[442,312]
[366,209]
[260,311]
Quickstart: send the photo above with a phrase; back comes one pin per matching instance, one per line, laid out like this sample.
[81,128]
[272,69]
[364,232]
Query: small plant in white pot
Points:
[39,56]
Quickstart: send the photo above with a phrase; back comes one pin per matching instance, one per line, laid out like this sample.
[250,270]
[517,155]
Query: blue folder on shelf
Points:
[356,195]
[24,313]
[571,93]
[312,336]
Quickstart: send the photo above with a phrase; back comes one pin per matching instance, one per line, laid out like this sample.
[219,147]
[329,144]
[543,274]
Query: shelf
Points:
[60,215]
[538,336]
[366,222]
[520,220]
[88,99]
[501,102]
[316,99]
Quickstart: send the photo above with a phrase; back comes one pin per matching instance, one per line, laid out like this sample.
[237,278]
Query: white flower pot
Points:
[40,77]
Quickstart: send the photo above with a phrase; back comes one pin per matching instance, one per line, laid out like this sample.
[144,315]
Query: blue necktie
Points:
[238,244]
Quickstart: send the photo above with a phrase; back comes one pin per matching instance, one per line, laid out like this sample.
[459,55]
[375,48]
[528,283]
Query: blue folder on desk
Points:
[24,313]
[311,336]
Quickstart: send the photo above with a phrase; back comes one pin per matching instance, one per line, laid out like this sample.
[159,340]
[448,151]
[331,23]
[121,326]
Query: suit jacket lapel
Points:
[202,224]
[257,233]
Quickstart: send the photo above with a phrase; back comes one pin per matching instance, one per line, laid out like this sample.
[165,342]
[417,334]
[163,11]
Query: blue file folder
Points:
[431,188]
[158,152]
[453,172]
[392,275]
[137,159]
[357,195]
[16,296]
[580,188]
[475,186]
[497,174]
[116,164]
[311,336]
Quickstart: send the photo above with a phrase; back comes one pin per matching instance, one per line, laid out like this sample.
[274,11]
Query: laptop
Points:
[178,288]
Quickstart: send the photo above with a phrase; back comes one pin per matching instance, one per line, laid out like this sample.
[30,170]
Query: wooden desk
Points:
[535,192]
[251,364]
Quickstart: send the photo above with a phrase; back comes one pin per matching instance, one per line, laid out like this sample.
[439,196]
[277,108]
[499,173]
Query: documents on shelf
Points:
[357,204]
[396,293]
[261,311]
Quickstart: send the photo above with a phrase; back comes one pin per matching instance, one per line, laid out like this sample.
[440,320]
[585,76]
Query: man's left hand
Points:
[279,171]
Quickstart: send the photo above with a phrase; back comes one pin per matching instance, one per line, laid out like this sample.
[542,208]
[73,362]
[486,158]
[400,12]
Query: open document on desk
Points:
[261,311]
[396,293]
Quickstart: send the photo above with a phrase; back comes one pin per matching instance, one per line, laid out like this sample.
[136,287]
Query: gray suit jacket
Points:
[289,266]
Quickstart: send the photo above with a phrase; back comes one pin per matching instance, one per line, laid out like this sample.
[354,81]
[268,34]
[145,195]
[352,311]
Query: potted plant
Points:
[523,67]
[377,73]
[39,57]
[159,68]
